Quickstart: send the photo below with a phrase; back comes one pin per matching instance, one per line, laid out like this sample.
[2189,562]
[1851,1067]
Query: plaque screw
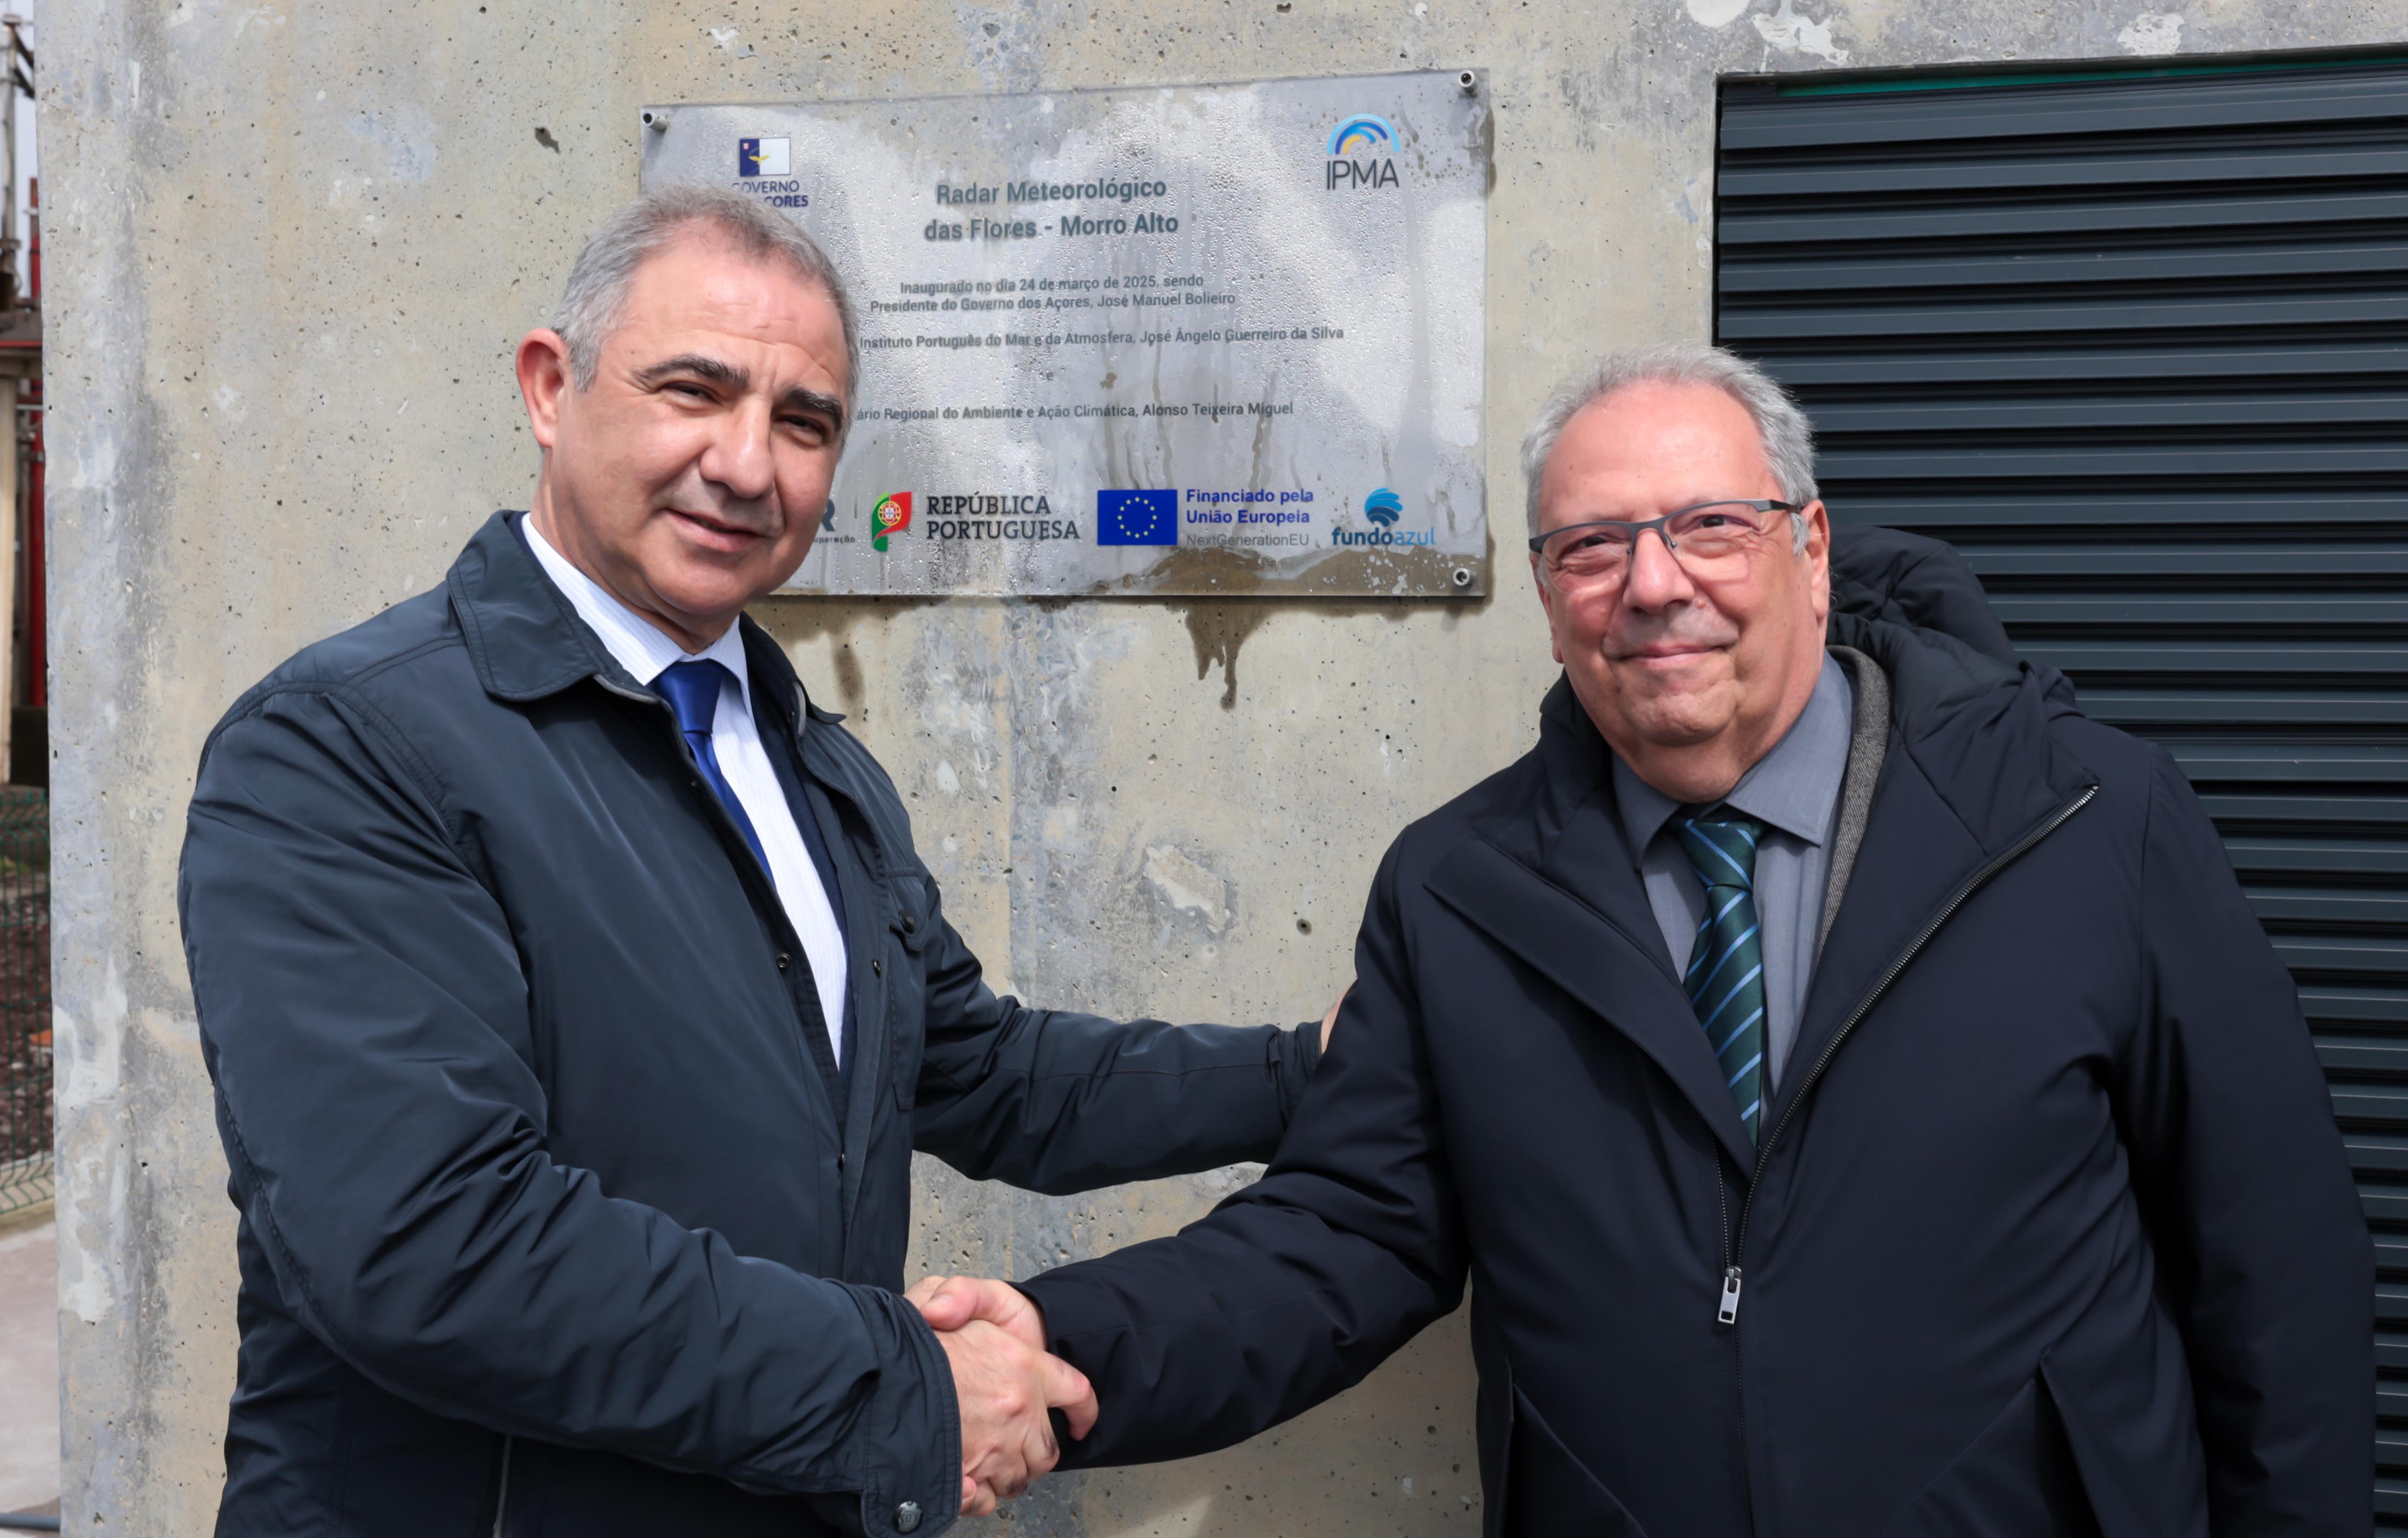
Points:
[658,120]
[1463,576]
[1469,81]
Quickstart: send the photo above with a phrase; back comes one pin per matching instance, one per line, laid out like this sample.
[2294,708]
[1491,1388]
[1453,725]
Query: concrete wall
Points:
[290,247]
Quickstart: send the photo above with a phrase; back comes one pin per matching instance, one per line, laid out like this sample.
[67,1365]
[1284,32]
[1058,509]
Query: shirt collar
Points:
[1794,787]
[634,641]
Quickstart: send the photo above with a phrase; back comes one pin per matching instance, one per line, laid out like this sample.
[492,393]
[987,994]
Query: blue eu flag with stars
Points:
[1137,518]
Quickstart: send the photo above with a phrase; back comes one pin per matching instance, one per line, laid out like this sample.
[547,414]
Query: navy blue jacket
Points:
[2051,1231]
[555,1216]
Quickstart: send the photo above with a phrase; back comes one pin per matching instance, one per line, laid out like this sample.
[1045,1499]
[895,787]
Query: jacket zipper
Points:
[1727,1301]
[502,1502]
[1727,1298]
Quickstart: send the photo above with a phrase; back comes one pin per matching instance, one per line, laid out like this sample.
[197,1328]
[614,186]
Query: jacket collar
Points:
[1972,768]
[525,640]
[1553,881]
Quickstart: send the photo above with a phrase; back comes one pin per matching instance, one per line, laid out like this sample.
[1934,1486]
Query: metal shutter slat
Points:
[2139,711]
[1982,317]
[1900,179]
[2093,514]
[2189,212]
[1804,278]
[1993,369]
[2347,99]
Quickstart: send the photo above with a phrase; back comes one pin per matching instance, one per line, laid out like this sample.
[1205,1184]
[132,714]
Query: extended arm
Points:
[1295,1289]
[366,1023]
[1058,1101]
[2266,1258]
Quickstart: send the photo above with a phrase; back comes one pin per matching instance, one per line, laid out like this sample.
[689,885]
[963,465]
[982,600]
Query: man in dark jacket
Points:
[575,996]
[1853,1080]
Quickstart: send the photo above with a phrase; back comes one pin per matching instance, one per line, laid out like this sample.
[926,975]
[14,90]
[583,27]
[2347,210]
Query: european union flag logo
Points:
[1137,518]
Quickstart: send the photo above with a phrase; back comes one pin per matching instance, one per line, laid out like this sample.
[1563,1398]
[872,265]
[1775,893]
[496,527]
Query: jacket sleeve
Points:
[1056,1102]
[365,1021]
[2265,1255]
[1295,1288]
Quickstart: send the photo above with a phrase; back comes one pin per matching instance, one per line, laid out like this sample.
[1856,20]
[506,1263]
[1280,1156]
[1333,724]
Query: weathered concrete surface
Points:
[29,1365]
[290,250]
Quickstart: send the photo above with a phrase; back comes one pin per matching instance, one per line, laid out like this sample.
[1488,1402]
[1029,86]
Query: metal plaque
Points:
[1184,339]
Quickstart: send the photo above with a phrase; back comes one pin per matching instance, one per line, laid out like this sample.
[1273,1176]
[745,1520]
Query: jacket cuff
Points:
[910,1476]
[1070,1310]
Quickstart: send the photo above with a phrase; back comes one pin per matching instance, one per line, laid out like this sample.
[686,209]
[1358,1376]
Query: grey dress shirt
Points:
[1794,791]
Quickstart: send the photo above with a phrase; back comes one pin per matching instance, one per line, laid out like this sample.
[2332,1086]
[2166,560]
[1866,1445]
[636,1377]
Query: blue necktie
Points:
[691,690]
[1725,978]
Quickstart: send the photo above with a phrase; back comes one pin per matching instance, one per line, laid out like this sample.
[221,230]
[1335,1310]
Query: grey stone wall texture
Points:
[290,247]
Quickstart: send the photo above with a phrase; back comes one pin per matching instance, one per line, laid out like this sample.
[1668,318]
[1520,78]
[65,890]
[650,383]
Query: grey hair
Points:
[596,289]
[1787,436]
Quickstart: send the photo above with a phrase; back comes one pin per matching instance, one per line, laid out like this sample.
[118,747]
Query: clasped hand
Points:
[1005,1382]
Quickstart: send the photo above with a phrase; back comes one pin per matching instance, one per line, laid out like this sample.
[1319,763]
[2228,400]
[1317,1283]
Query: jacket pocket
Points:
[2016,1479]
[1549,1493]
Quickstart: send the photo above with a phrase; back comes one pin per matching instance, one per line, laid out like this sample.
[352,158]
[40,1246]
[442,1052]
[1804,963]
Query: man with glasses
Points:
[1855,1080]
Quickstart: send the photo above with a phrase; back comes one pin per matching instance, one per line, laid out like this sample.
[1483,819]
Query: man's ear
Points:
[1546,603]
[1817,522]
[543,381]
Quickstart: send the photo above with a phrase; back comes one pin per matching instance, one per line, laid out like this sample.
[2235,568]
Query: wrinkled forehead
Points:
[1645,451]
[700,287]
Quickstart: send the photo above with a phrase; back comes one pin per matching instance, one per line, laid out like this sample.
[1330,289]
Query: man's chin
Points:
[1676,718]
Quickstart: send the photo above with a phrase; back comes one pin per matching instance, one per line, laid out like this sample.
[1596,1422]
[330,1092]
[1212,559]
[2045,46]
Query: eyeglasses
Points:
[1710,540]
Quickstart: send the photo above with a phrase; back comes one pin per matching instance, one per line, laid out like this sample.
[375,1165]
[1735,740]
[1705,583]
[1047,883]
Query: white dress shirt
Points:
[646,653]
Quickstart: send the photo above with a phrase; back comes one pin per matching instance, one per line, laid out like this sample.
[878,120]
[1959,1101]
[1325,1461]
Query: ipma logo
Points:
[1384,507]
[892,513]
[1362,131]
[1351,142]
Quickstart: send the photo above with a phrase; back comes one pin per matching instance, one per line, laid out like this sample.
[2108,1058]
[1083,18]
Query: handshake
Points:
[1005,1382]
[1004,1379]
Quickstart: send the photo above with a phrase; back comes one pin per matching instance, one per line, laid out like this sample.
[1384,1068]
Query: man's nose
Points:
[1656,580]
[738,459]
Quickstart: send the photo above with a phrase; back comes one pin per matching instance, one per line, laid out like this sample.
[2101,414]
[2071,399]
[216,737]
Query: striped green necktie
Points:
[1726,977]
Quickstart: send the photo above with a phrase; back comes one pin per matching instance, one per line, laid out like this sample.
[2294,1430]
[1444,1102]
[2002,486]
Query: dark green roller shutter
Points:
[2138,345]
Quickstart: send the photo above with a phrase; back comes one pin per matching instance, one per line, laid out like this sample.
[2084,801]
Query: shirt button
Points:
[785,961]
[910,923]
[877,967]
[906,1517]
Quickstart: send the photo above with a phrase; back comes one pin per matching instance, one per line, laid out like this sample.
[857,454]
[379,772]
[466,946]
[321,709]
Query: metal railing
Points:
[27,1161]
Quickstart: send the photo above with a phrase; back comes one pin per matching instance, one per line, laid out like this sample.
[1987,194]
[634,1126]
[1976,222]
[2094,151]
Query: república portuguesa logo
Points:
[994,515]
[893,512]
[1384,507]
[1357,137]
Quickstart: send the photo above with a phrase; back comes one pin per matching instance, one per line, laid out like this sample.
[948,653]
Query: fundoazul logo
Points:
[892,513]
[1384,507]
